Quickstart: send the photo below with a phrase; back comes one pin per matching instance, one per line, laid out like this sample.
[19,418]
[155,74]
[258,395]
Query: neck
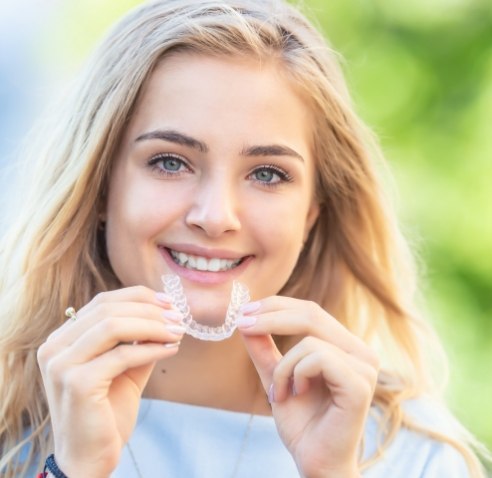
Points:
[210,374]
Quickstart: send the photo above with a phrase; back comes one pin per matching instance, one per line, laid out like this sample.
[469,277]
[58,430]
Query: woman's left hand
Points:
[321,389]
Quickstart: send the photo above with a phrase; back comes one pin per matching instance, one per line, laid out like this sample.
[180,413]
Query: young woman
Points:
[215,141]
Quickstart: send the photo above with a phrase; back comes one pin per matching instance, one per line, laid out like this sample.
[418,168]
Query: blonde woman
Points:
[214,142]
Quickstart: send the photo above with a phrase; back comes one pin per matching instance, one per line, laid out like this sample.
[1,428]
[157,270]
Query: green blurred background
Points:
[421,75]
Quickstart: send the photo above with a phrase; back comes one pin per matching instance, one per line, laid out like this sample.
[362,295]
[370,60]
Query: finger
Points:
[109,333]
[349,389]
[86,379]
[89,316]
[128,295]
[289,377]
[264,355]
[130,357]
[294,317]
[283,383]
[137,293]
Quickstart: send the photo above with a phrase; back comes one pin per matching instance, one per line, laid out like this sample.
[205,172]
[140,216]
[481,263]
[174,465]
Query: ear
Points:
[101,219]
[102,215]
[312,216]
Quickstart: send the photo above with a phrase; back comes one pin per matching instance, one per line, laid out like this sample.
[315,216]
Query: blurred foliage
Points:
[421,76]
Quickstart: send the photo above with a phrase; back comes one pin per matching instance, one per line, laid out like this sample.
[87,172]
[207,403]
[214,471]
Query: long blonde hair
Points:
[355,263]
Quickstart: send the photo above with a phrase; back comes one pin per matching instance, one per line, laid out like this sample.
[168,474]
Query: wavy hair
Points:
[355,263]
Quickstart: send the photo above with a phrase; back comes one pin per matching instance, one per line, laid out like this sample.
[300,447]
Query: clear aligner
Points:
[239,296]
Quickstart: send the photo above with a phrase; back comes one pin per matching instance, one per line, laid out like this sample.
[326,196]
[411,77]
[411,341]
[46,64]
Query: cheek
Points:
[131,219]
[140,208]
[280,228]
[124,214]
[279,240]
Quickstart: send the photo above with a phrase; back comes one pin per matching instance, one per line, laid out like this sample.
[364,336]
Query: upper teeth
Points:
[202,263]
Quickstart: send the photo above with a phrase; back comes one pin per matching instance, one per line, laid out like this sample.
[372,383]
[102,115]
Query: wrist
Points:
[51,468]
[55,468]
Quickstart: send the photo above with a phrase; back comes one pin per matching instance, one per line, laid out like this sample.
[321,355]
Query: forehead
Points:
[239,95]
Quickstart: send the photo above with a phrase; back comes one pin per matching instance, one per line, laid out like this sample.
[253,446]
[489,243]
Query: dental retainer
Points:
[239,296]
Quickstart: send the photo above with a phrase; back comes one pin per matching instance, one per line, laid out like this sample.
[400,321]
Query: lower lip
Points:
[204,277]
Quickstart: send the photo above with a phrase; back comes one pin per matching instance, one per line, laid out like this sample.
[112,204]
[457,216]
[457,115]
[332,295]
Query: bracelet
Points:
[52,467]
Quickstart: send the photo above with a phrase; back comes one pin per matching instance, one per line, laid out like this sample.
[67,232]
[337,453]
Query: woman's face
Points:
[213,181]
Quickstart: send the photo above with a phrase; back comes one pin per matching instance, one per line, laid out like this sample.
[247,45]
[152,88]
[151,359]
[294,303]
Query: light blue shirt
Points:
[174,440]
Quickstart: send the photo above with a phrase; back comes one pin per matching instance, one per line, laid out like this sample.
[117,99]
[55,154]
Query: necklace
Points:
[134,461]
[237,464]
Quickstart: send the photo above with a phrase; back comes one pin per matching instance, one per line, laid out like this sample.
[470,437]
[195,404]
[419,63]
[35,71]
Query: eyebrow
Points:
[176,137]
[271,150]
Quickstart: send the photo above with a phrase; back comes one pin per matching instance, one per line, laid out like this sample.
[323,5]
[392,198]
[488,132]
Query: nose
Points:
[214,208]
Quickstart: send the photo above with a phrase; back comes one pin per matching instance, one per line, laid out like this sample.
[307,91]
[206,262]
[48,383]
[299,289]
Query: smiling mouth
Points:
[200,263]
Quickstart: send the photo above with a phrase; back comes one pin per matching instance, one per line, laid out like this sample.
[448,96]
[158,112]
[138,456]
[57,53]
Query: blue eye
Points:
[270,175]
[168,164]
[171,164]
[266,175]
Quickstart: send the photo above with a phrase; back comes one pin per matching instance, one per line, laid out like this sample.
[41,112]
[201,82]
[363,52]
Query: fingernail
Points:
[172,345]
[271,394]
[172,315]
[250,307]
[245,321]
[176,329]
[163,297]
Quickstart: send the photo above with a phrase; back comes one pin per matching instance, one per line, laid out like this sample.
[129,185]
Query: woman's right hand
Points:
[94,370]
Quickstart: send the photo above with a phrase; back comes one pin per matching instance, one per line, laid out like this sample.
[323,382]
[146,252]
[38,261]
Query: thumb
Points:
[264,355]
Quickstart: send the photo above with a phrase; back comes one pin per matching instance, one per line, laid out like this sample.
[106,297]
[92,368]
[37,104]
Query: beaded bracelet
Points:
[51,466]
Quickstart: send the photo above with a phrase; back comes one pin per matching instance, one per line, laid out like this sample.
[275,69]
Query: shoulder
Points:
[415,454]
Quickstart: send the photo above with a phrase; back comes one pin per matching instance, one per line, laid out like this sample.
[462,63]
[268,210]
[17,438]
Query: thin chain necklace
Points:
[134,461]
[244,442]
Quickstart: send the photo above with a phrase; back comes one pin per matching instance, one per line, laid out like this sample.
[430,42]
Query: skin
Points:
[219,193]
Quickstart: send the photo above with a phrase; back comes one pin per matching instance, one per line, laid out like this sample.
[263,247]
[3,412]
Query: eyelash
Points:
[155,160]
[284,176]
